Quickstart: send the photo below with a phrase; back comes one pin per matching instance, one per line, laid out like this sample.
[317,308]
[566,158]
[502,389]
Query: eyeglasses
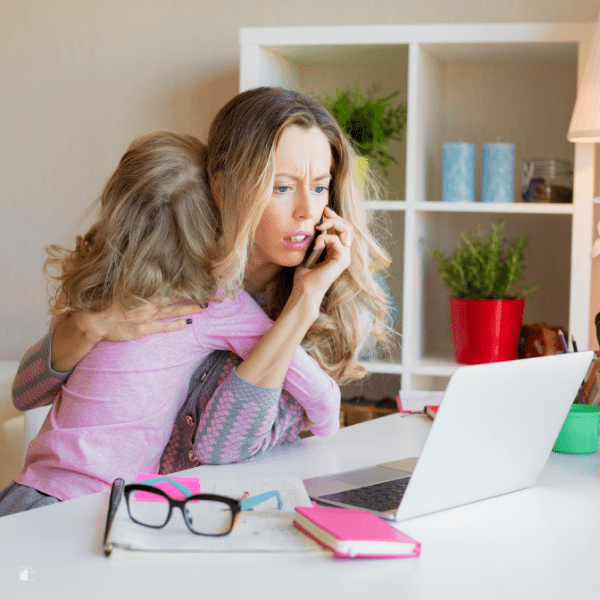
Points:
[204,514]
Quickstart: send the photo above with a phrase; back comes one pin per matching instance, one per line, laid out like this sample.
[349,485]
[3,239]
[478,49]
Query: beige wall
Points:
[80,79]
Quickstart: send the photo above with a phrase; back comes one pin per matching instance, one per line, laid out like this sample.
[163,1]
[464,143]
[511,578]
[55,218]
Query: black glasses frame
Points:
[235,505]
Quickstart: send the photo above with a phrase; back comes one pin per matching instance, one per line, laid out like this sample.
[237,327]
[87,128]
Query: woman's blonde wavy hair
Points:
[241,168]
[155,234]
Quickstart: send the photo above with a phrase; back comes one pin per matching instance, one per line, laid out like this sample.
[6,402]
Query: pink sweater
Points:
[116,411]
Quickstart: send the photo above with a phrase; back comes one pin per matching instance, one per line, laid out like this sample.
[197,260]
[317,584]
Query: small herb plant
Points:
[370,122]
[481,269]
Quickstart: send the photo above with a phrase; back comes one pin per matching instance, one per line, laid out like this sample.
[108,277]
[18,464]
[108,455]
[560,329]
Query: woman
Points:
[270,129]
[243,146]
[276,159]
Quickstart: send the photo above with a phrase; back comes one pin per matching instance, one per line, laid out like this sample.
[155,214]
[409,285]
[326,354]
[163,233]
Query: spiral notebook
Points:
[262,529]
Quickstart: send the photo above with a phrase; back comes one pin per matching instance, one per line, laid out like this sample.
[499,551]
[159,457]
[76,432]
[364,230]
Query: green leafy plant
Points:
[370,122]
[481,269]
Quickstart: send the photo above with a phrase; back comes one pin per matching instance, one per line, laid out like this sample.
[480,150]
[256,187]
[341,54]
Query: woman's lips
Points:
[298,241]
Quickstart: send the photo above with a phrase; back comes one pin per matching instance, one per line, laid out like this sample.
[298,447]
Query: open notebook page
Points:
[262,529]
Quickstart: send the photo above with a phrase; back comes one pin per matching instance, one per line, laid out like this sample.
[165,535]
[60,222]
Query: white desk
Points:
[539,543]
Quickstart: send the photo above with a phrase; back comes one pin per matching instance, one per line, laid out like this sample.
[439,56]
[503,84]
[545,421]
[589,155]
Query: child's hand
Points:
[118,325]
[76,335]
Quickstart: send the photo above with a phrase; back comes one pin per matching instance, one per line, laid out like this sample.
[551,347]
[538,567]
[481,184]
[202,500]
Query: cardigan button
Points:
[189,420]
[192,456]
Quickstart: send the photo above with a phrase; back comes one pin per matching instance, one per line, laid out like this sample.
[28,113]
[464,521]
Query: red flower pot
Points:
[485,331]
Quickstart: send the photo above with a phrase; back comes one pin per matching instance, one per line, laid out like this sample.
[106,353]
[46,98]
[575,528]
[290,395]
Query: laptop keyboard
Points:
[380,496]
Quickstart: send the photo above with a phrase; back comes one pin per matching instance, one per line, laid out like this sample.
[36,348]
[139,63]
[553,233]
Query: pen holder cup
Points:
[580,431]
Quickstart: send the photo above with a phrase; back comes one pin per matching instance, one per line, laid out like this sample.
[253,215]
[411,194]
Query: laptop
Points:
[493,433]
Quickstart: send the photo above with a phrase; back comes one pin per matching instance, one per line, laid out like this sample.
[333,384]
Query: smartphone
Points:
[312,254]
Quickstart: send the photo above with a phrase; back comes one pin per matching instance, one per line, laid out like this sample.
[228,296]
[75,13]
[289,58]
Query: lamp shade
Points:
[585,122]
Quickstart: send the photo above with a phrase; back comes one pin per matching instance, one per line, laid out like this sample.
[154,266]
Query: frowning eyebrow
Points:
[327,176]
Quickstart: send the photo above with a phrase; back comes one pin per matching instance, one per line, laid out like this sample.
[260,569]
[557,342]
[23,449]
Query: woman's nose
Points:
[304,205]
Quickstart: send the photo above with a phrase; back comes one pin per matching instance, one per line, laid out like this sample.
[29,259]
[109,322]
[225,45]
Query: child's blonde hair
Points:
[155,235]
[241,166]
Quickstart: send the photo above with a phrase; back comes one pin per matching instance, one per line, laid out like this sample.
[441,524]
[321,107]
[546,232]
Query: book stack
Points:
[415,401]
[431,411]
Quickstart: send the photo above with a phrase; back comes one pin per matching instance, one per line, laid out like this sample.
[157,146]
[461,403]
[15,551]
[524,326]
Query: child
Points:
[155,238]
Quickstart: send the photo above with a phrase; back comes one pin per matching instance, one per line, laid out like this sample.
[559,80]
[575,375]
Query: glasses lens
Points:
[209,517]
[148,508]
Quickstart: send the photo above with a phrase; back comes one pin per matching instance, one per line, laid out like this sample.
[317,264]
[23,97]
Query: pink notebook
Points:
[354,532]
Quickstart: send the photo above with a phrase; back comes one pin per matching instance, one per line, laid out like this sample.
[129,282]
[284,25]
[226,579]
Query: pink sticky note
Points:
[193,483]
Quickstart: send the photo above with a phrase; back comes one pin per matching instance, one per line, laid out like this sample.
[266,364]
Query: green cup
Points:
[580,431]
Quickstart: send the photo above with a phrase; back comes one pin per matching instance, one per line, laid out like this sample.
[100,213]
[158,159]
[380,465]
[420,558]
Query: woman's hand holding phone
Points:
[336,239]
[312,254]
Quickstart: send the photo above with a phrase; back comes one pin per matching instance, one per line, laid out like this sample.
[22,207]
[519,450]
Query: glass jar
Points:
[547,180]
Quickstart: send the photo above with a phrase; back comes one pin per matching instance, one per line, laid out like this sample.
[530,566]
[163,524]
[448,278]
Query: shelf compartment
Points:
[549,305]
[473,93]
[320,70]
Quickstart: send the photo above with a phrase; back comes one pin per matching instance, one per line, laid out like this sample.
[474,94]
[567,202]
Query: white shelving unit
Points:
[475,83]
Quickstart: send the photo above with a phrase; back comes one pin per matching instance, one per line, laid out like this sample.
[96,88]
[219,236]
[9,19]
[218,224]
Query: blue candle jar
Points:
[498,172]
[458,172]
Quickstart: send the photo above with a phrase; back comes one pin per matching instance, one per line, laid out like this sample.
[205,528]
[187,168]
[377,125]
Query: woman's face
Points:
[300,193]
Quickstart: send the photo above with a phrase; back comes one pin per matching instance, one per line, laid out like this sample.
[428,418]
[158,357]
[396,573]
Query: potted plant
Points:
[486,306]
[370,122]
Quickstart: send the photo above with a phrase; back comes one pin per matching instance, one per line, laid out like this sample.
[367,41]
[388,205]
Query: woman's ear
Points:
[216,186]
